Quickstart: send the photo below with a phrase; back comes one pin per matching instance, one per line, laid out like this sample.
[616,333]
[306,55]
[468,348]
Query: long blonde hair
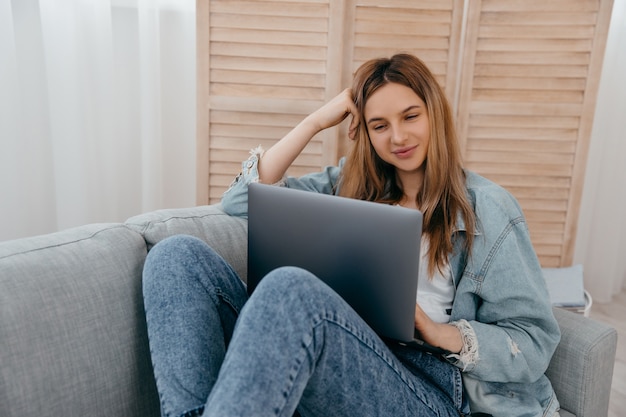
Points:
[443,195]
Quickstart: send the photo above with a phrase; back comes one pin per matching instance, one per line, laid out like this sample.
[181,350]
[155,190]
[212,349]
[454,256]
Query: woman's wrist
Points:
[311,125]
[442,335]
[450,338]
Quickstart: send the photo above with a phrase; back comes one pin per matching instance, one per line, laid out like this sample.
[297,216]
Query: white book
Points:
[566,286]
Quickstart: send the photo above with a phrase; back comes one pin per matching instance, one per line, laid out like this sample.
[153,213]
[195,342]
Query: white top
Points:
[434,295]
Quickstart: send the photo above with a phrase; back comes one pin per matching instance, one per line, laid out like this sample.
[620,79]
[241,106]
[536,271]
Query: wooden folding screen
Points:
[528,91]
[522,77]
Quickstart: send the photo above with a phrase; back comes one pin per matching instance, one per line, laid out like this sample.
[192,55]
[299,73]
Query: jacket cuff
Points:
[468,357]
[250,170]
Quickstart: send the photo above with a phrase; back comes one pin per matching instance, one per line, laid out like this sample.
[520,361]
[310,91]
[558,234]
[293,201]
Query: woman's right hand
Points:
[335,112]
[278,158]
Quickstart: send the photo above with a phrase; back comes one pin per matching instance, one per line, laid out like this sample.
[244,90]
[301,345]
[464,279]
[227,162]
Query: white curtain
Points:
[97,111]
[601,238]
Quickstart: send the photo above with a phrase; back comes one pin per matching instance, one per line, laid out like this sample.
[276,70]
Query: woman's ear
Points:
[355,126]
[355,123]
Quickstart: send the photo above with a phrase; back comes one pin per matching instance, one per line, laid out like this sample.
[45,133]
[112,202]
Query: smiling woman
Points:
[400,134]
[490,309]
[97,111]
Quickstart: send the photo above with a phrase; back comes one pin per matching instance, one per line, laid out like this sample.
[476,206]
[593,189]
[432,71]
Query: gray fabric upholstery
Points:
[226,234]
[73,340]
[582,366]
[72,334]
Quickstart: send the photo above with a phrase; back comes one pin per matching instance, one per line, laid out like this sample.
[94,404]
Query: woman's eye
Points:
[379,127]
[411,116]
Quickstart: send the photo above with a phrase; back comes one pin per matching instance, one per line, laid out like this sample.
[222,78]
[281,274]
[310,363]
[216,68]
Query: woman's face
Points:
[398,127]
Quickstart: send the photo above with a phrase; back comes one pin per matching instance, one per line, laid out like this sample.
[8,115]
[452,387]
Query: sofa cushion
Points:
[226,234]
[73,339]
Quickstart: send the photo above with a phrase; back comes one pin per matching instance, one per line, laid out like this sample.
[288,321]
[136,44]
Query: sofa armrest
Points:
[581,369]
[73,337]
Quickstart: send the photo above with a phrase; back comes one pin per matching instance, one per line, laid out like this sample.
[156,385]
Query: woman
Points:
[295,344]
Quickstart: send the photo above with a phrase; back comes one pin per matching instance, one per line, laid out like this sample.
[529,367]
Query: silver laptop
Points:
[367,252]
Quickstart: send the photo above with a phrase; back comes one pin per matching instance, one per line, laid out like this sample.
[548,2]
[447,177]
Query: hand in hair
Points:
[336,111]
[278,158]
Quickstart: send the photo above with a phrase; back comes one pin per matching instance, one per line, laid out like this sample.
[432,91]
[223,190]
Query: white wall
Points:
[601,237]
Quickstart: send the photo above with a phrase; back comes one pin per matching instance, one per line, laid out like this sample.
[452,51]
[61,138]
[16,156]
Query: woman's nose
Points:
[398,135]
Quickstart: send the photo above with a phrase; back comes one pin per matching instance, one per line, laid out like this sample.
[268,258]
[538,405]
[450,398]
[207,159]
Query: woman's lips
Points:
[404,152]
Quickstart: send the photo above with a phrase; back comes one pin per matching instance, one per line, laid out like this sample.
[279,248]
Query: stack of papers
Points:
[566,286]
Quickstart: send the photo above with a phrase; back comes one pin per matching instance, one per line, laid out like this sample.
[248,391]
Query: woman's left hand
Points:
[443,335]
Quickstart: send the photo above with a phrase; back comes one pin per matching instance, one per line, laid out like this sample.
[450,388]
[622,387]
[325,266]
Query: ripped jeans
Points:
[294,344]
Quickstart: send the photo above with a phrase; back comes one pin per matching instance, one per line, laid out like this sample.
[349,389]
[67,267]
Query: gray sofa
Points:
[73,338]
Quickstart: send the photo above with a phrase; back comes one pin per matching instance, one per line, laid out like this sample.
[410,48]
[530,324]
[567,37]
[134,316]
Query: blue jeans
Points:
[293,344]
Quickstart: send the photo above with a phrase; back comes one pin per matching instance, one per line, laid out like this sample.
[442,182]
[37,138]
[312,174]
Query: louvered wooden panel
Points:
[522,77]
[527,99]
[268,65]
[427,29]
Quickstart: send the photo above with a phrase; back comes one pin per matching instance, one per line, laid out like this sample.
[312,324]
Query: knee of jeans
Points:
[289,278]
[177,243]
[168,253]
[179,247]
[293,284]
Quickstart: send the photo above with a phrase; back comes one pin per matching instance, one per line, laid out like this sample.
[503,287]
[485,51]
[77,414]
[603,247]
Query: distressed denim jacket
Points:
[501,305]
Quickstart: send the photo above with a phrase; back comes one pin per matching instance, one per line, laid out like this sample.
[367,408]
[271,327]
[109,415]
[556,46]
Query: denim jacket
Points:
[501,306]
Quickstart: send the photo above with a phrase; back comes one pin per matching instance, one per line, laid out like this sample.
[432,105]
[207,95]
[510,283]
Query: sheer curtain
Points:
[97,111]
[601,238]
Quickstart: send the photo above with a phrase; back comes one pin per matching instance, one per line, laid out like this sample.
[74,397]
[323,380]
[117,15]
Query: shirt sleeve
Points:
[235,199]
